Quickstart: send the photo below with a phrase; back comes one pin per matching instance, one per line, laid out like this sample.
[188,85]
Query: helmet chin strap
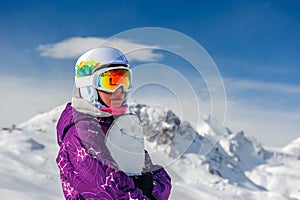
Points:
[87,93]
[99,103]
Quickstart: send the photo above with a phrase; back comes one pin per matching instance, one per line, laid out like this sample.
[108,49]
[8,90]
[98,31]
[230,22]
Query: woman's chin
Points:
[116,104]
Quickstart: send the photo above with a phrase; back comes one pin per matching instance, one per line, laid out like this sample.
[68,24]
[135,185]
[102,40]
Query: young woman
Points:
[87,169]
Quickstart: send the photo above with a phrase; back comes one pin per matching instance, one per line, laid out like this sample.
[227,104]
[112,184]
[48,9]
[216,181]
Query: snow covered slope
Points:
[27,167]
[237,167]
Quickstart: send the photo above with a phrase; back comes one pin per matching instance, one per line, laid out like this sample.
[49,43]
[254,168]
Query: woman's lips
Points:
[116,99]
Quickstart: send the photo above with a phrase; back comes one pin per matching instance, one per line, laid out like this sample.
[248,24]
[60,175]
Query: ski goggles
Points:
[107,80]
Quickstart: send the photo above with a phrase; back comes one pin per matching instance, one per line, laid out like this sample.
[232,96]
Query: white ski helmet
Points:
[92,61]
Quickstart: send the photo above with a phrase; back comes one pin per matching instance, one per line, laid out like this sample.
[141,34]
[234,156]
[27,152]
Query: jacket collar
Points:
[85,107]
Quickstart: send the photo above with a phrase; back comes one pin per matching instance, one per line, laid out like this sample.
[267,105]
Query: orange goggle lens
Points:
[112,79]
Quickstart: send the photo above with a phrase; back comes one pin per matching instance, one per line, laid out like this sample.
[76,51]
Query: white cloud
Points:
[244,84]
[75,46]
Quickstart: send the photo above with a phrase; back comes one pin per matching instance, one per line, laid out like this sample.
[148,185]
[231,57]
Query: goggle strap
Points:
[84,81]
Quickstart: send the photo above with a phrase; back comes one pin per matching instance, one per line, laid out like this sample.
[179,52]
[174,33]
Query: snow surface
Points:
[237,167]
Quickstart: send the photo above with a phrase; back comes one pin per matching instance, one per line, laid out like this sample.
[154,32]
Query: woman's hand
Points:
[145,183]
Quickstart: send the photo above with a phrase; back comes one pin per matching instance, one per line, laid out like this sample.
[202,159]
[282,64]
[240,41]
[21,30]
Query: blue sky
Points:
[255,45]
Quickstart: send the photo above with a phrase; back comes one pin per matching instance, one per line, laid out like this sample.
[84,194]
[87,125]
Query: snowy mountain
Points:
[236,167]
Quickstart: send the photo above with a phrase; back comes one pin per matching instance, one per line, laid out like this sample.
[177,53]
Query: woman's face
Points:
[113,100]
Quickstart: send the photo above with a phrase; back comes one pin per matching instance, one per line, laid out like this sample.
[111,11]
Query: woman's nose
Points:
[119,90]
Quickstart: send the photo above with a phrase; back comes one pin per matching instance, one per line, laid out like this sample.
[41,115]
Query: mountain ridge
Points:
[237,167]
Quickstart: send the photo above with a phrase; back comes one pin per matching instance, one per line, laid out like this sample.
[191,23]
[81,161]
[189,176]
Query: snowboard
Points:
[125,141]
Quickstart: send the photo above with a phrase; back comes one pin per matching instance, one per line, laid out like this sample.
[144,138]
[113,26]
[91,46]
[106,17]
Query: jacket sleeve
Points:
[88,171]
[161,180]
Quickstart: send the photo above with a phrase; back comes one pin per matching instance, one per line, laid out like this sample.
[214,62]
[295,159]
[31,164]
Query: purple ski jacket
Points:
[87,170]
